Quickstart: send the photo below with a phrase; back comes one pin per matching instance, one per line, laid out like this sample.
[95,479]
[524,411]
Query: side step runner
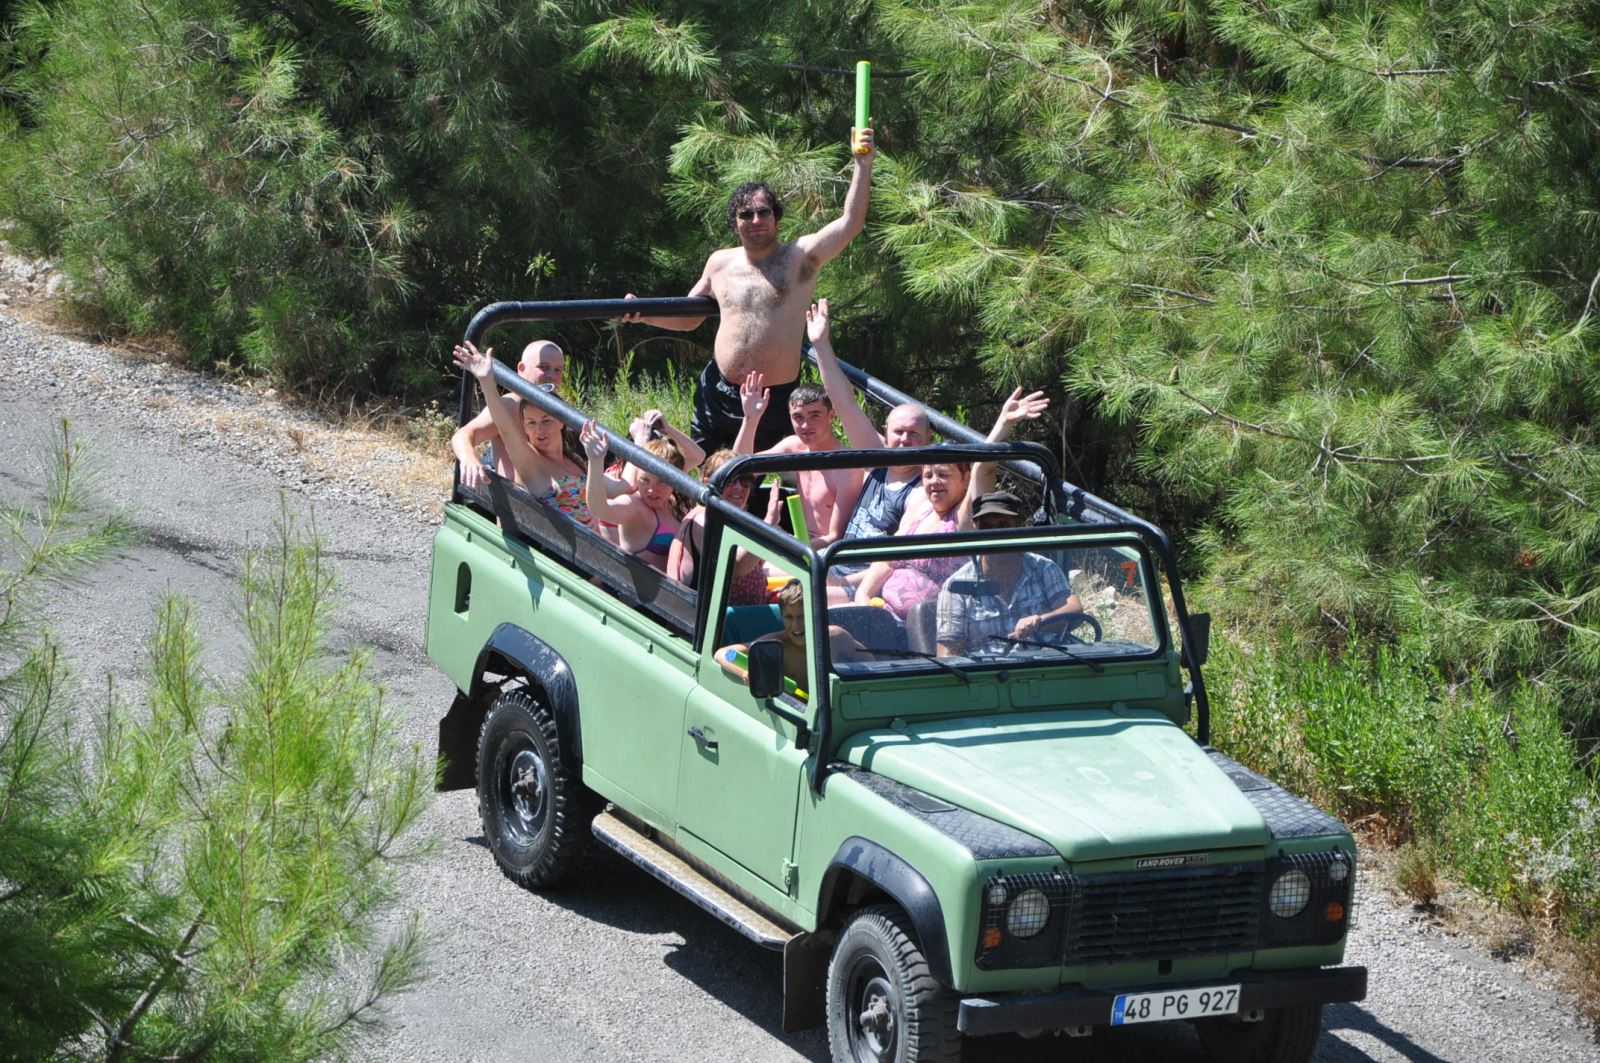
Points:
[674,871]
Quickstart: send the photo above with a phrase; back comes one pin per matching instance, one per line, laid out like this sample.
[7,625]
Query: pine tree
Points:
[205,875]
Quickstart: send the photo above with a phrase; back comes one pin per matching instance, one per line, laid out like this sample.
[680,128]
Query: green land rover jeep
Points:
[953,833]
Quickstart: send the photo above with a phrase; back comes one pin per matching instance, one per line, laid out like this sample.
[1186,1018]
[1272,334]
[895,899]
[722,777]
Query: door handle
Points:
[703,740]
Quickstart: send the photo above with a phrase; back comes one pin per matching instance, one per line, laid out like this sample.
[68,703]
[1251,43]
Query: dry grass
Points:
[1123,611]
[1417,875]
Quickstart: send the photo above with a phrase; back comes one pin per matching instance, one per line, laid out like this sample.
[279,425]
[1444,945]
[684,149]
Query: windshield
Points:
[1046,599]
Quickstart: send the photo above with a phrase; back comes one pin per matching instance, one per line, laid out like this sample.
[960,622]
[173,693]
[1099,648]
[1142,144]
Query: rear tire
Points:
[884,1005]
[1284,1035]
[534,809]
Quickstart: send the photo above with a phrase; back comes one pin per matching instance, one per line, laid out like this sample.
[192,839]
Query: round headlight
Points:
[1289,894]
[1339,870]
[1029,913]
[997,894]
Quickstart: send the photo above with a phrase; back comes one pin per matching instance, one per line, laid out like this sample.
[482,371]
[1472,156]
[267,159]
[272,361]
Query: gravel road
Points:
[618,969]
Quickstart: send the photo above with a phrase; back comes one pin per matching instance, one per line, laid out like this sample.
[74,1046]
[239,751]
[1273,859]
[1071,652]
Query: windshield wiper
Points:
[1096,666]
[938,662]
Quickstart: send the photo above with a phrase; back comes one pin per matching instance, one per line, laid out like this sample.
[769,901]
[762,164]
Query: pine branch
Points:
[877,75]
[119,1042]
[1112,96]
[1337,454]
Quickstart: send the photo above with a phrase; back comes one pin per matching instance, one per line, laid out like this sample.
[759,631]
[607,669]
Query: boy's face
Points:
[811,422]
[794,623]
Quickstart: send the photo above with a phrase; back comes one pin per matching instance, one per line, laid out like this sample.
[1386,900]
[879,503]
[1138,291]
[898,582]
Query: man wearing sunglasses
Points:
[762,288]
[544,366]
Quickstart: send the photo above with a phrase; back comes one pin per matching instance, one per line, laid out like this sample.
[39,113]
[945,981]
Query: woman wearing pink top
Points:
[942,504]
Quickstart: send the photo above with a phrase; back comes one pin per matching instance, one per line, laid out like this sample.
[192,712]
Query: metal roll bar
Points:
[1029,460]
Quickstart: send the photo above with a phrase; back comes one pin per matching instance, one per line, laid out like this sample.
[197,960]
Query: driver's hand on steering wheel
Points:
[1026,627]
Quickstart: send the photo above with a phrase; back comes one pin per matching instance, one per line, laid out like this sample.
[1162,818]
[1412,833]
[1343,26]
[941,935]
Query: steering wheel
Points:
[1061,628]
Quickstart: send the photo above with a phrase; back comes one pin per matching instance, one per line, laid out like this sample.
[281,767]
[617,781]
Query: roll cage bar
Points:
[1029,460]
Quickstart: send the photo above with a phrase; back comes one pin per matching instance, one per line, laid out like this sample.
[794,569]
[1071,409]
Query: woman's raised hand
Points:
[753,396]
[593,438]
[1020,407]
[479,363]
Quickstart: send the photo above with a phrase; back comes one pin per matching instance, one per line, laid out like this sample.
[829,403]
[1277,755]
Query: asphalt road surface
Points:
[616,968]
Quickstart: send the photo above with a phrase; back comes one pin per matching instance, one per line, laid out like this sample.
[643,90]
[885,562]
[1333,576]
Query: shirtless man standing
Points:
[762,289]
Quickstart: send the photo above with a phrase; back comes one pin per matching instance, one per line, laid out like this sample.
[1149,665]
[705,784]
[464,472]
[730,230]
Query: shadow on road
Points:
[1356,1018]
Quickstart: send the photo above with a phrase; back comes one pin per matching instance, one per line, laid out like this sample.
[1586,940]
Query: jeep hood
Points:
[1097,785]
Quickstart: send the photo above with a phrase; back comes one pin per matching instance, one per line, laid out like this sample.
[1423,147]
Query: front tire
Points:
[534,809]
[1284,1035]
[884,1005]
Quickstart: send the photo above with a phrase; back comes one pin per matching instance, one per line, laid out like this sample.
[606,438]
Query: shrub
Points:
[1481,782]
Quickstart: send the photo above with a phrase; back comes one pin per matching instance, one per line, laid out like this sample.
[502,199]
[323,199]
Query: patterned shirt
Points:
[969,622]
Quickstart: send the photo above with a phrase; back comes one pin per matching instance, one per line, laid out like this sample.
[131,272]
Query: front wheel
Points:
[884,1005]
[1284,1035]
[533,806]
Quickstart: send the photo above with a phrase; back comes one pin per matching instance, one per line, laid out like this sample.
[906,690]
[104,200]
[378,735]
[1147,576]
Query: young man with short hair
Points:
[827,495]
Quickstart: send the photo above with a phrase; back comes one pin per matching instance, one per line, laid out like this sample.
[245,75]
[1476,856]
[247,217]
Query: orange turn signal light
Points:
[991,937]
[1334,912]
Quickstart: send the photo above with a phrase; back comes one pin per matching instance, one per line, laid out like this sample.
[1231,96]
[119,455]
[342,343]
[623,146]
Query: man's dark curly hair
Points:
[744,194]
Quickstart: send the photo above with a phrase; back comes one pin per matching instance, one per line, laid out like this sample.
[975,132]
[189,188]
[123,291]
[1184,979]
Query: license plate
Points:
[1175,1004]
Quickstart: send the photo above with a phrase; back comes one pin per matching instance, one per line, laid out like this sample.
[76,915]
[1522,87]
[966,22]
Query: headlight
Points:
[1022,920]
[1289,894]
[1029,913]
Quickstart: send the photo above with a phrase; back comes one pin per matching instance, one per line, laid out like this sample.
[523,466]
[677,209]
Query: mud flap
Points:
[805,978]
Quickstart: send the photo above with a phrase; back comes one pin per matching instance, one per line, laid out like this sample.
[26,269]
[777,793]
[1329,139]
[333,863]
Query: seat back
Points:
[746,623]
[922,625]
[870,625]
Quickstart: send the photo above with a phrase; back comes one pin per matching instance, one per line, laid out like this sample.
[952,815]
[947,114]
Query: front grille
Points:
[1163,914]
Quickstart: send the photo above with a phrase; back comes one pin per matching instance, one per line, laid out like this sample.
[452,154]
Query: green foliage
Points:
[203,876]
[1481,780]
[1327,272]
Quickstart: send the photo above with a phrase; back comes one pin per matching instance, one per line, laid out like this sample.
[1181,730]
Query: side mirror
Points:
[1199,637]
[974,588]
[766,669]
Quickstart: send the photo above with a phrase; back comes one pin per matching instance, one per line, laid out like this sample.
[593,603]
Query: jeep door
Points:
[741,772]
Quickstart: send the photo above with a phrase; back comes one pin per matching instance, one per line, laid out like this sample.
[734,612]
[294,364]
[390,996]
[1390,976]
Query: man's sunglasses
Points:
[753,214]
[746,482]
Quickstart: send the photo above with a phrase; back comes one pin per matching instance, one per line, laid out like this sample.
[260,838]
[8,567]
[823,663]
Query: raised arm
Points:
[523,457]
[858,427]
[652,421]
[593,438]
[1018,407]
[753,397]
[676,324]
[825,244]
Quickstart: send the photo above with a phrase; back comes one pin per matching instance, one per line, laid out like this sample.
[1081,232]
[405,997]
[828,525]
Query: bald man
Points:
[882,501]
[543,365]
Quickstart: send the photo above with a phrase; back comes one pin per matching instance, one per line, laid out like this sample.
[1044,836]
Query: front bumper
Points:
[1013,1012]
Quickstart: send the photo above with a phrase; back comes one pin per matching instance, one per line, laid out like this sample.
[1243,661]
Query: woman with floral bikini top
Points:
[535,446]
